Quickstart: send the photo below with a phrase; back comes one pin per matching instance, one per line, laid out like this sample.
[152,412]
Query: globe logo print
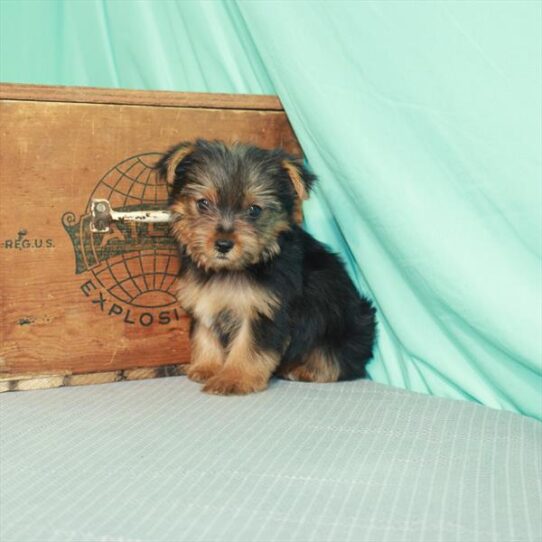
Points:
[136,263]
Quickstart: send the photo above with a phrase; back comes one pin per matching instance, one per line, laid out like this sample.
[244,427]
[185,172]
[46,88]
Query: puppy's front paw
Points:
[233,384]
[202,373]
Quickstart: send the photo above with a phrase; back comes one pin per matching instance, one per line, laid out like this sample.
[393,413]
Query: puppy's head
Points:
[231,203]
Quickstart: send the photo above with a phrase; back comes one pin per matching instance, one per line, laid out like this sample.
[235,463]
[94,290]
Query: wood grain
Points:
[57,317]
[158,98]
[30,381]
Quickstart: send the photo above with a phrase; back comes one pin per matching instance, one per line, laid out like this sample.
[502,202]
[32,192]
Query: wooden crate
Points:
[82,307]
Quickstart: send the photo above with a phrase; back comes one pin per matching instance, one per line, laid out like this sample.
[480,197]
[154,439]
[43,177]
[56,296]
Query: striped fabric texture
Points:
[349,462]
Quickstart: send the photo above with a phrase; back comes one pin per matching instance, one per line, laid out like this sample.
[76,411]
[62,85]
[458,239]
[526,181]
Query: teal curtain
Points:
[423,122]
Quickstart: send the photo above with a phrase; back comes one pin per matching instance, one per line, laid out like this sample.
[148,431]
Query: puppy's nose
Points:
[223,245]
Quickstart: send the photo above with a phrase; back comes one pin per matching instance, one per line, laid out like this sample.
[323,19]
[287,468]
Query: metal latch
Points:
[102,215]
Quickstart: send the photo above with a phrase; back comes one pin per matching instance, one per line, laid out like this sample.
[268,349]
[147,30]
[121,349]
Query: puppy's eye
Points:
[254,211]
[203,204]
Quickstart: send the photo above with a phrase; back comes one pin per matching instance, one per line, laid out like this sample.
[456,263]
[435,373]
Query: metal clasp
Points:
[102,215]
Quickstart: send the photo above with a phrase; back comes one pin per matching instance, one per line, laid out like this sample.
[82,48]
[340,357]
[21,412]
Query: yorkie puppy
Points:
[265,297]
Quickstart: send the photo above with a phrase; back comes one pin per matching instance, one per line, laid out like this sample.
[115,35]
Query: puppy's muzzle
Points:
[223,245]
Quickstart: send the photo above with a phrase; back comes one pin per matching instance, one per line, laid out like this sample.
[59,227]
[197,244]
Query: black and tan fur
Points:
[264,296]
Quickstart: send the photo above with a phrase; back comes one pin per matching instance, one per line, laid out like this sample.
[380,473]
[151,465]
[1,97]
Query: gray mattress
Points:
[358,461]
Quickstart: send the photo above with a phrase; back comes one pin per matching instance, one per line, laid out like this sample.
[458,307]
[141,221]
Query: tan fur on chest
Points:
[236,294]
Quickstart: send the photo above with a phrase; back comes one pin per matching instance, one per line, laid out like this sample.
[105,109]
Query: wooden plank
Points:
[26,382]
[72,301]
[158,98]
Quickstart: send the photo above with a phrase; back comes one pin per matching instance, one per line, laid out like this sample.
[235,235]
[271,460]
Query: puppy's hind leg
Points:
[320,365]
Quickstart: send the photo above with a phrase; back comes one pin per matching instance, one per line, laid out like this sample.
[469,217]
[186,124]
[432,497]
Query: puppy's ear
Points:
[302,179]
[168,164]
